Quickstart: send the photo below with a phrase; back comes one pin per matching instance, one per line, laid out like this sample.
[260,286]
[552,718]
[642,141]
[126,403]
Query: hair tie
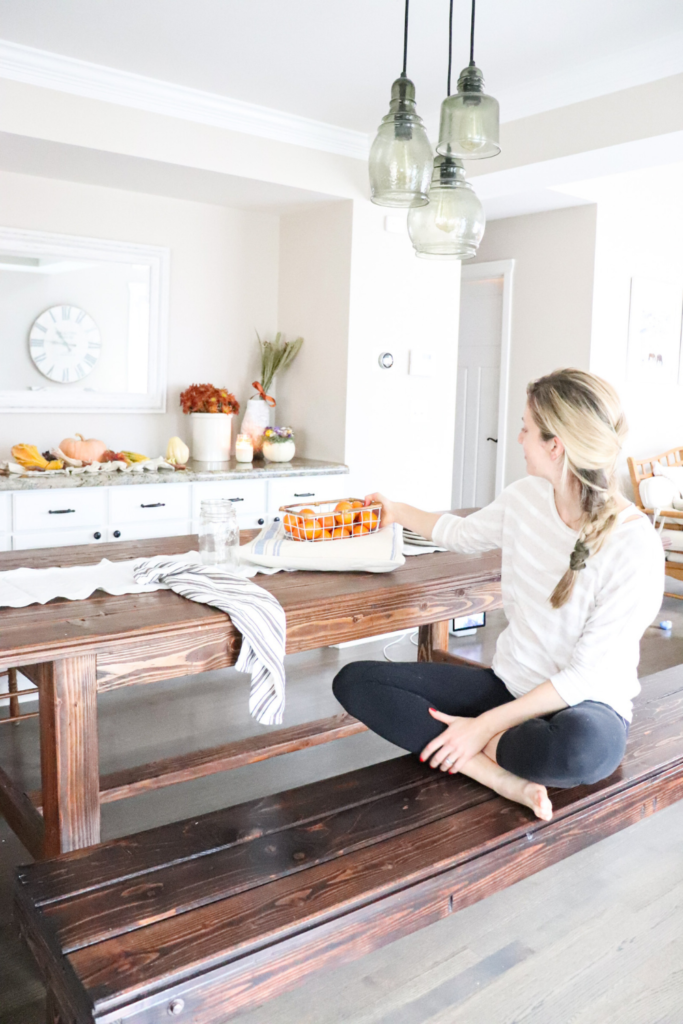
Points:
[577,559]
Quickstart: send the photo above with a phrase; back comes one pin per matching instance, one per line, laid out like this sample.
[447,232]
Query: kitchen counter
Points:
[195,472]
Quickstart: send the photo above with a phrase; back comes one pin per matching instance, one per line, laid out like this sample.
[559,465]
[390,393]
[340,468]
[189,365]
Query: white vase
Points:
[282,451]
[258,416]
[211,433]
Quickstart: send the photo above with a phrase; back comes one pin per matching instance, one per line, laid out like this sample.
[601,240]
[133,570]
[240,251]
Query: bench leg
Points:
[431,638]
[69,754]
[52,1014]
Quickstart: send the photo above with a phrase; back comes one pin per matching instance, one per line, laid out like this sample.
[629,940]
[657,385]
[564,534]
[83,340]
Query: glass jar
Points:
[219,534]
[244,448]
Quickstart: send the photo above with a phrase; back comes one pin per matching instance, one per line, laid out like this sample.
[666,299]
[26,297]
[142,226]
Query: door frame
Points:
[484,272]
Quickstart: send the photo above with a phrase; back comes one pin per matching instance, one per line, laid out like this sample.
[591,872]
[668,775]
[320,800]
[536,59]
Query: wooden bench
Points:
[204,918]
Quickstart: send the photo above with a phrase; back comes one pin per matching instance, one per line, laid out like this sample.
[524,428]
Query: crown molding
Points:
[124,88]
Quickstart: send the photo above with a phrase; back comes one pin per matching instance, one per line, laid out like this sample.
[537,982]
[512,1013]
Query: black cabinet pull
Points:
[157,504]
[235,499]
[276,519]
[306,494]
[260,521]
[494,439]
[97,535]
[117,533]
[60,511]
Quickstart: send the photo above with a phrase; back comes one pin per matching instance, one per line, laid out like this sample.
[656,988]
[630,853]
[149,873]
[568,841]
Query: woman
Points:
[582,578]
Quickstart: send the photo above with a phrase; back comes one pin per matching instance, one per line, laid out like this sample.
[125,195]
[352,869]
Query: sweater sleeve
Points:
[625,605]
[481,531]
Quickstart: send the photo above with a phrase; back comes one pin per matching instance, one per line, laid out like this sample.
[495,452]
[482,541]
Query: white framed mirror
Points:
[83,324]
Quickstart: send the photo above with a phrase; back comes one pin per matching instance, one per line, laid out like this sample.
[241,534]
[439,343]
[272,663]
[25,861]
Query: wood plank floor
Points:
[595,939]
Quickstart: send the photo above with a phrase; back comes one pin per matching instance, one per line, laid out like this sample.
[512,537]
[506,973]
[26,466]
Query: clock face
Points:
[65,344]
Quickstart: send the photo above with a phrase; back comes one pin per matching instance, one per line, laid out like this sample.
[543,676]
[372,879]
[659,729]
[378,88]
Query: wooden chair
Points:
[14,694]
[643,469]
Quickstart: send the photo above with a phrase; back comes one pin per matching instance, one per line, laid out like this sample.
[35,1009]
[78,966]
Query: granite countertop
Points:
[196,471]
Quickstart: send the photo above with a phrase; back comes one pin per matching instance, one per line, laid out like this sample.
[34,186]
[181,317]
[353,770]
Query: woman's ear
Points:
[556,449]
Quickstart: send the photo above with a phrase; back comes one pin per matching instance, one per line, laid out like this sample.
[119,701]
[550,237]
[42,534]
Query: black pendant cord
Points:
[405,42]
[450,48]
[472,36]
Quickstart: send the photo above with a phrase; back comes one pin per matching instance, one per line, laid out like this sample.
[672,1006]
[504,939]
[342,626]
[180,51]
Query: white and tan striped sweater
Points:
[589,649]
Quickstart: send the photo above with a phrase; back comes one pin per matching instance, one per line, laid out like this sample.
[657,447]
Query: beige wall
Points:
[224,274]
[315,270]
[552,297]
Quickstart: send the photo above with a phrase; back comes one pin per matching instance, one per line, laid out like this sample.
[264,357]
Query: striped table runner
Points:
[258,615]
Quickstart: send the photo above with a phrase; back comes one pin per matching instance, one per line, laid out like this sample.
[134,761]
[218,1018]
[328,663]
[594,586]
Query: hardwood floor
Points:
[595,939]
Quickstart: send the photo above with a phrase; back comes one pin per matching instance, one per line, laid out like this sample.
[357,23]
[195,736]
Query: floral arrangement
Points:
[276,356]
[276,435]
[207,398]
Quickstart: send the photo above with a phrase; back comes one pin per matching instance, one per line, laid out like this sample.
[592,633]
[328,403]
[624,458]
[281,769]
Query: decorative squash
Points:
[28,456]
[86,451]
[177,452]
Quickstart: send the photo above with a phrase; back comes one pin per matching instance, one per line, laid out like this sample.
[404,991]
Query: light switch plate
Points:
[422,364]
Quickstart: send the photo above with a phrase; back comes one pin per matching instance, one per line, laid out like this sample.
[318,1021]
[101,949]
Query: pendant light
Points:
[470,120]
[401,155]
[452,225]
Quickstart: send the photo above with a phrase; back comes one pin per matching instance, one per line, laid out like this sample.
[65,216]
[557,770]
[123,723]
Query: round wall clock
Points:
[65,344]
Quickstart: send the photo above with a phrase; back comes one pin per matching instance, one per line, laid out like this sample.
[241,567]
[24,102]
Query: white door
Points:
[482,385]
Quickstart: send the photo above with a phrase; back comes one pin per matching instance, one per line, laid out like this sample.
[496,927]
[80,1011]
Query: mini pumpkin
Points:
[86,451]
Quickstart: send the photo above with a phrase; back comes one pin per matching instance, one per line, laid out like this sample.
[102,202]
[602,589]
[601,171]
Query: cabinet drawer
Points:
[149,503]
[148,531]
[5,541]
[248,496]
[295,490]
[56,538]
[59,509]
[5,513]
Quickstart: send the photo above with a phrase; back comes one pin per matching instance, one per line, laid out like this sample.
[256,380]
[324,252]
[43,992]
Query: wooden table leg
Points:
[433,637]
[69,753]
[12,689]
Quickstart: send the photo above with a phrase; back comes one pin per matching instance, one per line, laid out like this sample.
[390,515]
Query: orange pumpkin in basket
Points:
[345,513]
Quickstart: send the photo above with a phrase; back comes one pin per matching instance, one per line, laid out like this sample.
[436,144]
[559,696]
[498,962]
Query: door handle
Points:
[60,511]
[156,504]
[306,494]
[494,439]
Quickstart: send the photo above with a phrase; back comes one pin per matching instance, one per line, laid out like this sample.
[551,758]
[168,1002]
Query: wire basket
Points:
[336,519]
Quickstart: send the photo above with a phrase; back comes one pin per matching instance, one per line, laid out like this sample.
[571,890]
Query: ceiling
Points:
[334,62]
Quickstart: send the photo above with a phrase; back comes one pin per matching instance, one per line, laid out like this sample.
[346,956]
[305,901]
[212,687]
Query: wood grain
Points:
[21,815]
[69,753]
[432,638]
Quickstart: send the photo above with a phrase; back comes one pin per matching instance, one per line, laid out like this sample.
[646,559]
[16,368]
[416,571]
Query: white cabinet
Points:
[59,509]
[147,504]
[249,499]
[57,538]
[296,490]
[5,513]
[146,531]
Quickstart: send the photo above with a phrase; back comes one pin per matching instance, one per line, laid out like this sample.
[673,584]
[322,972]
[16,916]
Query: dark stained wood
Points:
[130,856]
[455,659]
[21,815]
[13,689]
[69,753]
[432,638]
[199,763]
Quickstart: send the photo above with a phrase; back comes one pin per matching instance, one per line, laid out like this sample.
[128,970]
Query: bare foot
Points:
[536,797]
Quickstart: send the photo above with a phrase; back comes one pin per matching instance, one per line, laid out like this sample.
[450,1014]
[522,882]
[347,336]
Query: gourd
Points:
[28,456]
[86,451]
[177,452]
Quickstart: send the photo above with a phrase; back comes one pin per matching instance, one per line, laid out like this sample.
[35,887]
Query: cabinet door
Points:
[148,503]
[147,531]
[59,509]
[249,498]
[56,538]
[298,489]
[5,541]
[5,513]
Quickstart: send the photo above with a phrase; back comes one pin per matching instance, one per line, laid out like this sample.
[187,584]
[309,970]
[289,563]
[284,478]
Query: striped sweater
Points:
[589,649]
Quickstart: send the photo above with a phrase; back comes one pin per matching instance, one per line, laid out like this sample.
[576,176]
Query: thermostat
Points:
[386,360]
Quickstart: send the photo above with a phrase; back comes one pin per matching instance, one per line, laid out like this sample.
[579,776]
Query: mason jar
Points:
[219,534]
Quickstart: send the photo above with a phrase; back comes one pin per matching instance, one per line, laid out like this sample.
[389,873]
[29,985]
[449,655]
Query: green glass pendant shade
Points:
[401,156]
[452,225]
[470,120]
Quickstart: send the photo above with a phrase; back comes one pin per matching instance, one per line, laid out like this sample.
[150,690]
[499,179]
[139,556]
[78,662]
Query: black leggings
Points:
[575,746]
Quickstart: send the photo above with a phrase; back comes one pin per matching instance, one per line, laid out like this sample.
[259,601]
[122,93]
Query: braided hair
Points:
[584,412]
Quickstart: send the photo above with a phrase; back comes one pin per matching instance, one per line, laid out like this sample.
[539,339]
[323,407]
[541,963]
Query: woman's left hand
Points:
[457,744]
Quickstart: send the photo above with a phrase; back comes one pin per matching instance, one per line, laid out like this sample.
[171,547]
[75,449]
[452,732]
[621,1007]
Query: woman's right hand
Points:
[388,514]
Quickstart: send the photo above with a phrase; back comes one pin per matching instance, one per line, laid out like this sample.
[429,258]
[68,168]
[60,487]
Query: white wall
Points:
[552,299]
[224,285]
[314,291]
[400,428]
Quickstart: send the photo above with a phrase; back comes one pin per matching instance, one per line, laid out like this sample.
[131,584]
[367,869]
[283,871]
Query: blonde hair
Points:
[585,413]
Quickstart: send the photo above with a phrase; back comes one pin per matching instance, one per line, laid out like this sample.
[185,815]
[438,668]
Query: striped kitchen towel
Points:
[258,615]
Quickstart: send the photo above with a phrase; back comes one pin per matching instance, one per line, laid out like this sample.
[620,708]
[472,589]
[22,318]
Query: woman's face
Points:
[542,457]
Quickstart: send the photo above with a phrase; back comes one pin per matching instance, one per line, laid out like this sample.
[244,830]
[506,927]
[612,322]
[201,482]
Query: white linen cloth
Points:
[271,551]
[258,615]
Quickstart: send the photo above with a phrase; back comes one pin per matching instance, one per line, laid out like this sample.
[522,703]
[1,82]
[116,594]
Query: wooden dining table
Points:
[74,650]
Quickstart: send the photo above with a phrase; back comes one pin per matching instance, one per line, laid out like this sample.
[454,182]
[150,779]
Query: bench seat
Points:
[204,918]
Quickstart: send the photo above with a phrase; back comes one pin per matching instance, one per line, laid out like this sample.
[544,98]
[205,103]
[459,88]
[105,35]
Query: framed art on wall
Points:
[654,330]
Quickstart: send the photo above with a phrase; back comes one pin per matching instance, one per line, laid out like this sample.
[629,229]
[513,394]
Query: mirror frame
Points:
[42,243]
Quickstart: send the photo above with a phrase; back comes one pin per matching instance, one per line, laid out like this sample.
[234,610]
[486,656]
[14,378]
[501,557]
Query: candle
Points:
[244,448]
